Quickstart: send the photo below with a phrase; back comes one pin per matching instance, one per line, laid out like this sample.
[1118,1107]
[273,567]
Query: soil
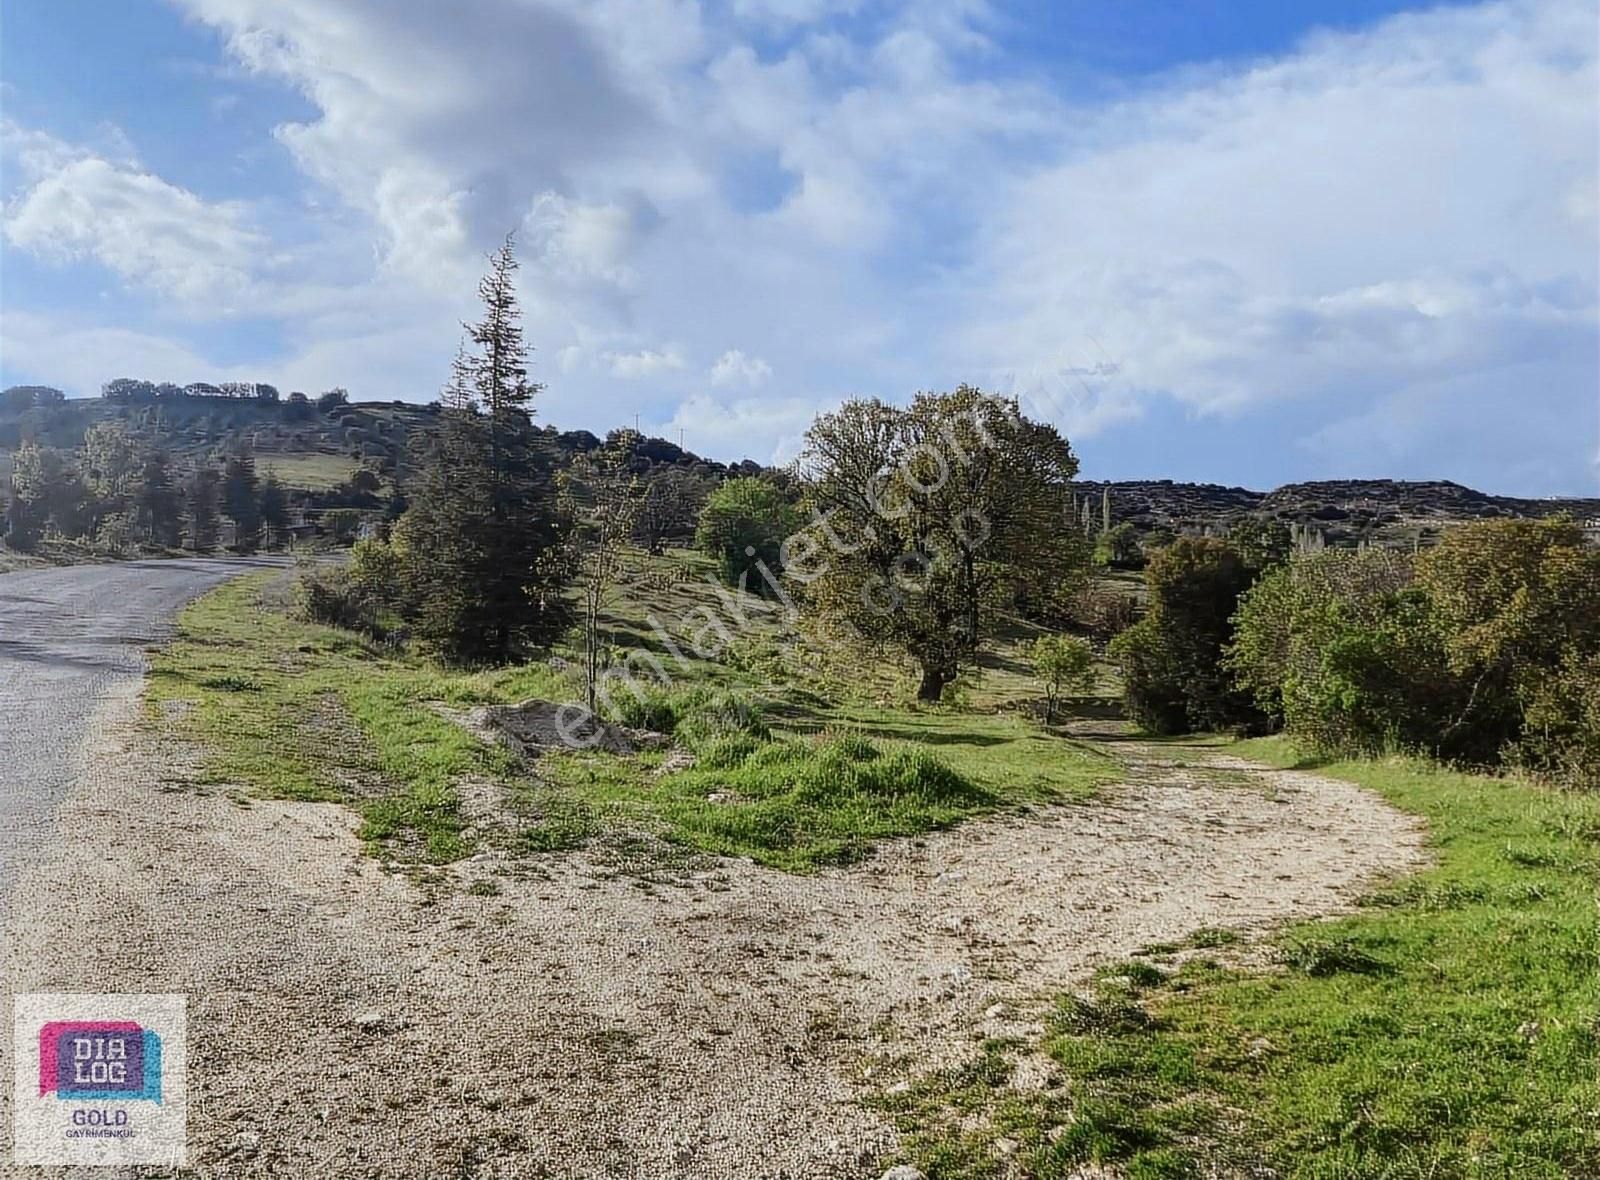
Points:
[558,1017]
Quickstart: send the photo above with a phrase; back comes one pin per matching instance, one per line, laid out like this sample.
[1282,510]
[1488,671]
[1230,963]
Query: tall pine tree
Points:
[241,500]
[486,533]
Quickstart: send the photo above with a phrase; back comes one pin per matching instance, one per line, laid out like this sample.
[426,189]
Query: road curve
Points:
[70,636]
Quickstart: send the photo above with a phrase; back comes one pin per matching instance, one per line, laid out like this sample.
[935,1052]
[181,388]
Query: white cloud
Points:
[734,368]
[77,205]
[1368,225]
[644,363]
[1372,215]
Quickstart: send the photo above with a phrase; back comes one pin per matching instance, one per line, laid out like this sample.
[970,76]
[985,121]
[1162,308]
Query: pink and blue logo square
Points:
[99,1060]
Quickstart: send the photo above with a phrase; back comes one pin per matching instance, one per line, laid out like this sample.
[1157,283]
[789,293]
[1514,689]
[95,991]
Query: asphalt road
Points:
[69,637]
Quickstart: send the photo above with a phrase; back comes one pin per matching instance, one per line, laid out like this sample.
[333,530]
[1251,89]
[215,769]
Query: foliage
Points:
[1118,547]
[933,520]
[1173,679]
[1481,650]
[241,500]
[202,505]
[670,509]
[485,532]
[1062,663]
[1518,603]
[743,527]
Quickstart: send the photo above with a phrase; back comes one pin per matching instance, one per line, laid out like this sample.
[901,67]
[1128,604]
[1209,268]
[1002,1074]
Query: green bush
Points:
[1173,678]
[746,521]
[1061,663]
[332,598]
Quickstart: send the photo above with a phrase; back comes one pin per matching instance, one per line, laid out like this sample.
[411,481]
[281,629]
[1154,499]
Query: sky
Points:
[1244,242]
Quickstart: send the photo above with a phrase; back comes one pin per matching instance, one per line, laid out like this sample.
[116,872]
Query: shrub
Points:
[330,597]
[1102,612]
[1173,678]
[746,521]
[1061,663]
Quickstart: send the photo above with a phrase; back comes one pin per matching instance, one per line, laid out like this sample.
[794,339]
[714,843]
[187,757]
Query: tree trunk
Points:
[932,686]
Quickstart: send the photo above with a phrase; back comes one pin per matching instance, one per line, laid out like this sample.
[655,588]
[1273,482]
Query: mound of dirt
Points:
[535,726]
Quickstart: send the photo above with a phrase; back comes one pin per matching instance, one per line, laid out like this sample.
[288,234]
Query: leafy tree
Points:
[1173,678]
[1061,663]
[1519,605]
[934,519]
[1119,547]
[332,400]
[19,398]
[1341,646]
[611,496]
[744,522]
[241,500]
[485,529]
[202,497]
[48,494]
[670,508]
[1261,541]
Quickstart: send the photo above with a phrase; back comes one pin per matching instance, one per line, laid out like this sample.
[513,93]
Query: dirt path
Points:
[580,1023]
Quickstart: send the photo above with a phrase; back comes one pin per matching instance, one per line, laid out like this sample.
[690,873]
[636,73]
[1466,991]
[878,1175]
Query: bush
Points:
[1173,678]
[746,521]
[699,716]
[332,598]
[1061,663]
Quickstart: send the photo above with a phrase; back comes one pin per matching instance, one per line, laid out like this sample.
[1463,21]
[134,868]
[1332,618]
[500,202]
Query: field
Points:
[1444,1029]
[1447,1029]
[299,711]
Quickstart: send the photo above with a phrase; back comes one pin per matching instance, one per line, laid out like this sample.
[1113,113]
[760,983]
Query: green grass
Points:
[1447,1030]
[294,710]
[312,471]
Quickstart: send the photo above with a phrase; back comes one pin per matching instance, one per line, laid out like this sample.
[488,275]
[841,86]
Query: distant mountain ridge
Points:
[1346,510]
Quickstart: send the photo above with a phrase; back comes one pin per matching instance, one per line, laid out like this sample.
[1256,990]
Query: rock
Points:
[243,1146]
[377,1022]
[903,1172]
[1007,1146]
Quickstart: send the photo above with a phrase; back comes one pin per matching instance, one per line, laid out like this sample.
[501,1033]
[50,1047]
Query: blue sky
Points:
[1245,242]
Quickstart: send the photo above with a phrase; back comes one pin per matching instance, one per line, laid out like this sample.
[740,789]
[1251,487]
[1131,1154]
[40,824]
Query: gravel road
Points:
[70,638]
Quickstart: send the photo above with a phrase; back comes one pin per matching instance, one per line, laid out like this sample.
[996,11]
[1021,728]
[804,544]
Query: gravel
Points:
[349,1021]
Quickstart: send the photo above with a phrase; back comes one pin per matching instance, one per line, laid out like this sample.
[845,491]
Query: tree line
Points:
[1483,650]
[117,491]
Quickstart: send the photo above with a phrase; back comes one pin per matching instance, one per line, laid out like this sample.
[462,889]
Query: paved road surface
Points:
[69,636]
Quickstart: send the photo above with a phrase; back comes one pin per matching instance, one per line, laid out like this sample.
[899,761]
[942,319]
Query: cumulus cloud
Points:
[734,368]
[75,205]
[645,363]
[870,197]
[1374,214]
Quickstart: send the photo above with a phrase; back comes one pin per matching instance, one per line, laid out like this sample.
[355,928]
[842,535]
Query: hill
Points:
[1346,511]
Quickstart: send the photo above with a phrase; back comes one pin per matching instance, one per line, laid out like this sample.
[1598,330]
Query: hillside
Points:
[1347,511]
[316,449]
[311,448]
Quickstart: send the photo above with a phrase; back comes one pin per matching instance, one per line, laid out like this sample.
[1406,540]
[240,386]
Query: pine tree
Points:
[241,500]
[157,506]
[273,508]
[202,497]
[486,530]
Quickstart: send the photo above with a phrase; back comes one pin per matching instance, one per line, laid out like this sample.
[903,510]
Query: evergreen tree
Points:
[486,530]
[202,500]
[157,510]
[241,500]
[274,508]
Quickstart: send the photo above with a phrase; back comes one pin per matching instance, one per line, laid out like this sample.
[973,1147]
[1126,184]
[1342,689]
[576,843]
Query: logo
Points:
[90,1059]
[100,1079]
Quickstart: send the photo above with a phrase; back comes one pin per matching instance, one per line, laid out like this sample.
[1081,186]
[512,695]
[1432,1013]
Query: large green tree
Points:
[933,519]
[486,532]
[241,500]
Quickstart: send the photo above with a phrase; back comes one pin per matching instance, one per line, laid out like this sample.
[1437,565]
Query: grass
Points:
[293,710]
[1446,1030]
[311,471]
[297,711]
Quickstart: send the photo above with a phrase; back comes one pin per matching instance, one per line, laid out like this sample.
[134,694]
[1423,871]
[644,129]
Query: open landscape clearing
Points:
[1098,971]
[800,590]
